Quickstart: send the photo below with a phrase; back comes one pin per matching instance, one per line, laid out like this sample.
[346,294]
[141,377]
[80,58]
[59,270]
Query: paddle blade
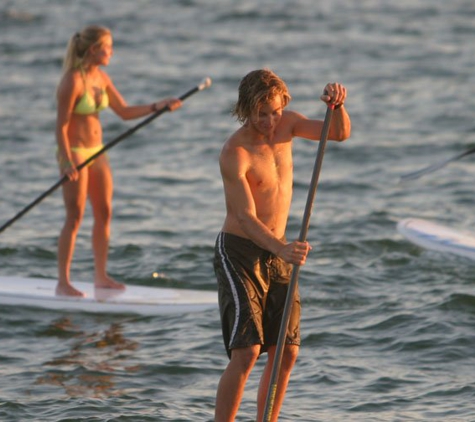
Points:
[436,166]
[426,170]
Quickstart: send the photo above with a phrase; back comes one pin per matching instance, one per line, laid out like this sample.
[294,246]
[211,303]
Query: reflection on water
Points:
[89,366]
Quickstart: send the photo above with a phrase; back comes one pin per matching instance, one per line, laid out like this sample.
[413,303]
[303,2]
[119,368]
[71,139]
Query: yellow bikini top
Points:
[87,104]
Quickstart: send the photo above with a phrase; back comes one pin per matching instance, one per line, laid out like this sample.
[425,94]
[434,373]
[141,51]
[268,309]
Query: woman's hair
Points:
[80,43]
[256,89]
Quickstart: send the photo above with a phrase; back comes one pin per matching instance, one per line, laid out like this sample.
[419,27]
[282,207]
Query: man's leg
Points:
[289,358]
[232,383]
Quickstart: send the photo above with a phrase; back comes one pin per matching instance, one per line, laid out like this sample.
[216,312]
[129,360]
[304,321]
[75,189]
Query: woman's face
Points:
[101,52]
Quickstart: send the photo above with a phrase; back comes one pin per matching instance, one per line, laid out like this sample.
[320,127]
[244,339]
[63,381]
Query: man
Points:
[253,261]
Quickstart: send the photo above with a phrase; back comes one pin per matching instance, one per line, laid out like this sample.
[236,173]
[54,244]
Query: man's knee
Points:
[289,357]
[245,357]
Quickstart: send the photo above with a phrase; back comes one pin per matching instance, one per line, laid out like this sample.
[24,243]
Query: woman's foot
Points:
[66,289]
[108,283]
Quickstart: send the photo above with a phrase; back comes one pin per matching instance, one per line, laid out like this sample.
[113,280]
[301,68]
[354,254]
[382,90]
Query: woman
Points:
[84,90]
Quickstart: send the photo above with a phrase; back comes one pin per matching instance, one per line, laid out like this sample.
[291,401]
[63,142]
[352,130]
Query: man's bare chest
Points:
[269,166]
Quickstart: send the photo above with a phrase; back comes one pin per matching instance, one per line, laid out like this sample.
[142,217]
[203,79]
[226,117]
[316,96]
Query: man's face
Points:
[265,120]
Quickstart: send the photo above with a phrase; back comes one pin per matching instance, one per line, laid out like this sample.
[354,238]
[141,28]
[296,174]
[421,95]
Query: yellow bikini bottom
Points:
[84,152]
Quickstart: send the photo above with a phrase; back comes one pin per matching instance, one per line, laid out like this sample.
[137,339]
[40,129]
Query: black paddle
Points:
[206,83]
[436,166]
[296,269]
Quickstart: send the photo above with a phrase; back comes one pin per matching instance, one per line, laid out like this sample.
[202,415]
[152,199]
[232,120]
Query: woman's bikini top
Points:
[87,104]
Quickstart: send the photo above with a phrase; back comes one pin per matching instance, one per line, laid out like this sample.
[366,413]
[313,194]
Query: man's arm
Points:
[340,127]
[241,208]
[240,203]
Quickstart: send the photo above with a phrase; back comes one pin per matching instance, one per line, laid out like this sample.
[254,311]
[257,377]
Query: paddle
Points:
[206,83]
[296,269]
[435,166]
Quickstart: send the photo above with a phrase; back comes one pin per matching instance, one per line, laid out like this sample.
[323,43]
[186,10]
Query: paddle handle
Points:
[206,83]
[312,191]
[271,392]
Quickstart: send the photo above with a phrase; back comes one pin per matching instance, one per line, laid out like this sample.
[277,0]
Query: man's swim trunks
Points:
[252,288]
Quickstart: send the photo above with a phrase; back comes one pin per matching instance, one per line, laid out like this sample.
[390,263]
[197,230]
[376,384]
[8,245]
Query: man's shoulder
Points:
[234,152]
[236,141]
[291,116]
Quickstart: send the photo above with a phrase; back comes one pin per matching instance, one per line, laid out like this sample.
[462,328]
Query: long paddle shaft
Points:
[203,85]
[271,392]
[435,166]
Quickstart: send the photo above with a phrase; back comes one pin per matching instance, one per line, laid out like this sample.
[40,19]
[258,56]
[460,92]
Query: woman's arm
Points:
[128,112]
[67,93]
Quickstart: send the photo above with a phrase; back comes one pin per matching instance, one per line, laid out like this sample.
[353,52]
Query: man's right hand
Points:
[295,252]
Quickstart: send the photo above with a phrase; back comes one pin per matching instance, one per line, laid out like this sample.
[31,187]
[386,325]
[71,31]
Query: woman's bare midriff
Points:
[85,131]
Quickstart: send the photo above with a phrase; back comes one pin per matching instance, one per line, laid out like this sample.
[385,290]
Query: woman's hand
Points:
[171,103]
[68,169]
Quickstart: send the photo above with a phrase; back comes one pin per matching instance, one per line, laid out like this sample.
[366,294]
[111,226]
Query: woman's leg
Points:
[74,196]
[100,189]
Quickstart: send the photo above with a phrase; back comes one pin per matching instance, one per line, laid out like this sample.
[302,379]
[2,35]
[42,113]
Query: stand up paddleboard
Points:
[438,237]
[40,293]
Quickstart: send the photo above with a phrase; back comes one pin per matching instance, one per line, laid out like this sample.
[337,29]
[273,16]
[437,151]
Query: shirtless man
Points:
[253,261]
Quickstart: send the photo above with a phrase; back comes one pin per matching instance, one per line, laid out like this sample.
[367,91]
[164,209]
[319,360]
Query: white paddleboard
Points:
[40,292]
[437,237]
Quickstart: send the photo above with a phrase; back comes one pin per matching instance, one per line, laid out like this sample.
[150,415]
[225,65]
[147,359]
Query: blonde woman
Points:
[84,90]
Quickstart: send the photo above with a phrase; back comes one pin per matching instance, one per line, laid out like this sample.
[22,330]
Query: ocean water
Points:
[387,327]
